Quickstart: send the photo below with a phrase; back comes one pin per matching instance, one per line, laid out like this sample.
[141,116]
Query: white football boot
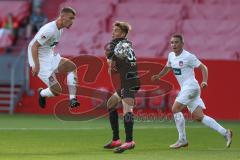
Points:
[228,138]
[179,144]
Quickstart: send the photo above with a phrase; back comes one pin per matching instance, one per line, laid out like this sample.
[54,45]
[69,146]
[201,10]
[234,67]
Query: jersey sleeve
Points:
[194,61]
[111,46]
[168,64]
[44,36]
[113,58]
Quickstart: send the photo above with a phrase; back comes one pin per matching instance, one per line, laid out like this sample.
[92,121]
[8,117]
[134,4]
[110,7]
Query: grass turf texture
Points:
[31,137]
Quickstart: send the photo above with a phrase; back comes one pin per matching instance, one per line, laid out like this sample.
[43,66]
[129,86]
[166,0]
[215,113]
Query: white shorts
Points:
[48,64]
[46,69]
[191,98]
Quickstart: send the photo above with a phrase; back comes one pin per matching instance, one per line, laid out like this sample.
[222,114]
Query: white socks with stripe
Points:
[211,123]
[72,81]
[180,124]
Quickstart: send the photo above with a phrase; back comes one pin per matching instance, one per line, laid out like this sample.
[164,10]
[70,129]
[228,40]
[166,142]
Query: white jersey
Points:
[48,37]
[183,67]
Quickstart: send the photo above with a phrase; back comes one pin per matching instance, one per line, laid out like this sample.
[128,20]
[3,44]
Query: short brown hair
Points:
[124,26]
[68,10]
[178,35]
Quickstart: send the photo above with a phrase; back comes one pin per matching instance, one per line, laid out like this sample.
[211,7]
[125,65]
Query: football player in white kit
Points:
[45,63]
[183,63]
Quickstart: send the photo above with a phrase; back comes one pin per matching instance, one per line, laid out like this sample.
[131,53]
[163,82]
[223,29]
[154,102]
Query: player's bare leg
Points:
[67,66]
[180,124]
[211,123]
[128,104]
[113,118]
[54,90]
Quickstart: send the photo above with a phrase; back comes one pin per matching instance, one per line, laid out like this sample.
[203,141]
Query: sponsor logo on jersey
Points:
[177,71]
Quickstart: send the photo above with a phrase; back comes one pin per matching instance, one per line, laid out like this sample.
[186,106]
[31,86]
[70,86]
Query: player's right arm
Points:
[41,38]
[36,67]
[163,72]
[204,70]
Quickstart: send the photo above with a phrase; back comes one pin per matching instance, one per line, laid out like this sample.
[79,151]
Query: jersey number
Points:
[131,56]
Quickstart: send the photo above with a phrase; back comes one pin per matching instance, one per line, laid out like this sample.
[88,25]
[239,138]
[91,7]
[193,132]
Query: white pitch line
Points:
[223,149]
[88,128]
[48,129]
[165,127]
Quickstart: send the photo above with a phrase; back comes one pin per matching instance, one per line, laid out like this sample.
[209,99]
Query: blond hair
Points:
[124,26]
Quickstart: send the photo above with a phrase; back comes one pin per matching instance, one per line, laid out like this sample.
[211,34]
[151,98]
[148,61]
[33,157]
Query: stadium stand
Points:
[209,33]
[160,1]
[19,10]
[91,8]
[158,11]
[186,1]
[222,2]
[211,11]
[12,73]
[153,26]
[216,41]
[89,24]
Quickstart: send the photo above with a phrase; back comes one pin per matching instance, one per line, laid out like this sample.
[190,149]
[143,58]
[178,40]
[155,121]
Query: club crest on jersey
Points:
[180,63]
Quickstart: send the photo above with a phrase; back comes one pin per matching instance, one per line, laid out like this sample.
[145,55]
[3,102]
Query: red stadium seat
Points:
[216,11]
[160,1]
[222,2]
[207,27]
[150,36]
[91,8]
[202,25]
[212,42]
[159,11]
[20,9]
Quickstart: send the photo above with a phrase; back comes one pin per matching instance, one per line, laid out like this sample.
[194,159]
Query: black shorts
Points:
[128,92]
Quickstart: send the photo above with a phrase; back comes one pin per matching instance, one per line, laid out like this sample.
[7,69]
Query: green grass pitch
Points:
[30,137]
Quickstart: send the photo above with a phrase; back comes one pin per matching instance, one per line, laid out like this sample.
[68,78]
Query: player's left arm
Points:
[110,60]
[204,70]
[112,66]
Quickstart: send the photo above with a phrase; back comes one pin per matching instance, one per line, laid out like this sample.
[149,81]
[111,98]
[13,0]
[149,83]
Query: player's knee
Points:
[110,104]
[72,66]
[174,110]
[113,101]
[197,118]
[56,90]
[128,109]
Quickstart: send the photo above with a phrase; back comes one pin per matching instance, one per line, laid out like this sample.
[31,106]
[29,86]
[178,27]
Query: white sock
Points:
[180,124]
[71,81]
[46,93]
[210,122]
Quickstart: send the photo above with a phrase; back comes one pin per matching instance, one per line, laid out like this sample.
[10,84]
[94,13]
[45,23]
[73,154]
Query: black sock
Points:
[128,124]
[113,117]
